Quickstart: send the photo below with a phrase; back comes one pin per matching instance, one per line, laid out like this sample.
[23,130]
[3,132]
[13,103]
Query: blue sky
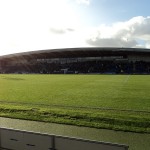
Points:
[28,25]
[110,11]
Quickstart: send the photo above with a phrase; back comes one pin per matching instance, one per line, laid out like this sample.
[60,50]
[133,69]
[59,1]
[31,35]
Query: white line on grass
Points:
[126,79]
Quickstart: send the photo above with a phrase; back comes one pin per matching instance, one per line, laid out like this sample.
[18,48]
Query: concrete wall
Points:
[21,140]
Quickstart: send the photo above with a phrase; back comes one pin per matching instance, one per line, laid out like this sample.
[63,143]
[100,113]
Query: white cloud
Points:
[147,44]
[86,2]
[123,34]
[61,30]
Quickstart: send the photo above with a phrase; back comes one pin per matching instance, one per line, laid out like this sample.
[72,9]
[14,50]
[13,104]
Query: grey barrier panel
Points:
[37,142]
[11,139]
[62,143]
[21,140]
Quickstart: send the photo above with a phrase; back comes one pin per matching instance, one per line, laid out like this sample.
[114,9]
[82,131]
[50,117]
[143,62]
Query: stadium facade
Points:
[91,60]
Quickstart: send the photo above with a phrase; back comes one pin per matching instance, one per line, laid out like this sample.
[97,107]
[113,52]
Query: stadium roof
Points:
[77,52]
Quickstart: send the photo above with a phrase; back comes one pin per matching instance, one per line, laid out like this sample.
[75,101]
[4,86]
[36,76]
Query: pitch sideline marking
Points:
[126,79]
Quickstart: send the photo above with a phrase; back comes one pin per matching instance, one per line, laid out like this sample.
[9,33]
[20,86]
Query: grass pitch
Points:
[119,102]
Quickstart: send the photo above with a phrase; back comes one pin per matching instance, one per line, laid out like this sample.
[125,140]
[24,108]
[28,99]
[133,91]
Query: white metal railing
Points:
[11,139]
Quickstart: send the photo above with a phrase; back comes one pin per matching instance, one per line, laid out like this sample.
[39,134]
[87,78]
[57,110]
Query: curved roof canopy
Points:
[77,52]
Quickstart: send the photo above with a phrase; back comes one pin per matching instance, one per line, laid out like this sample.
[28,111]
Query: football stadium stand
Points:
[90,60]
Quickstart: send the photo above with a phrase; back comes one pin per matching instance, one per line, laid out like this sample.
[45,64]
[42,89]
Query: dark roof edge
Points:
[77,49]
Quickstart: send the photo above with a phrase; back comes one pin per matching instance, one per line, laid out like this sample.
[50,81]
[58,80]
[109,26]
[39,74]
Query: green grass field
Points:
[119,102]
